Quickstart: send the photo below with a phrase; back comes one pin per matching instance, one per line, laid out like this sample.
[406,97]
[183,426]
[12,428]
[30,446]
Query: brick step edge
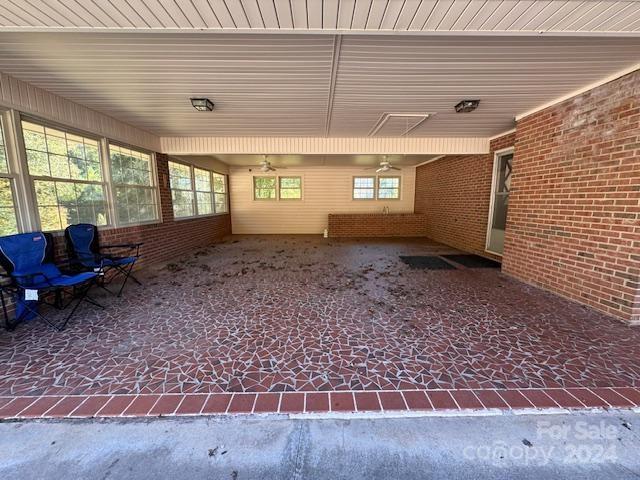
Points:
[176,404]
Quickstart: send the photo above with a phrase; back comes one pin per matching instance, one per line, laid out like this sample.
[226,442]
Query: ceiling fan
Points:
[385,166]
[265,165]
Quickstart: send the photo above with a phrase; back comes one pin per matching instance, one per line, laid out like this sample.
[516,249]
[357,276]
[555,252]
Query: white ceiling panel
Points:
[331,16]
[301,85]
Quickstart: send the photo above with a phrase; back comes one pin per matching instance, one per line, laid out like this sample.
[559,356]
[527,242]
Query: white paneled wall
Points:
[27,98]
[325,190]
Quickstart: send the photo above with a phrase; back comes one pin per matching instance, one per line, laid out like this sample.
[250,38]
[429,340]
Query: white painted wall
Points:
[324,189]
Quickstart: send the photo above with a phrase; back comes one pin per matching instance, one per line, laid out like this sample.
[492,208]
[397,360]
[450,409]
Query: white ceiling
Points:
[524,16]
[311,85]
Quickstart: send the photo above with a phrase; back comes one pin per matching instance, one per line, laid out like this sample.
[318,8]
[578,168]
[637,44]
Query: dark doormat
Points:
[473,261]
[427,262]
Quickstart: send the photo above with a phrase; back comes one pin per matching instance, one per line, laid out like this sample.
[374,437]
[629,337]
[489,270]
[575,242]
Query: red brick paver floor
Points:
[305,314]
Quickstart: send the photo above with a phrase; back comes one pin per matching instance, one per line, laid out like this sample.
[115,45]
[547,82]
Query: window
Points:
[364,188]
[133,185]
[290,188]
[8,220]
[67,177]
[264,188]
[220,193]
[381,188]
[204,191]
[388,188]
[181,190]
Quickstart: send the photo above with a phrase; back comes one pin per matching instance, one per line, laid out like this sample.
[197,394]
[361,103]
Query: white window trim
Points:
[31,179]
[376,188]
[494,179]
[193,190]
[399,177]
[278,188]
[19,185]
[24,184]
[111,184]
[277,198]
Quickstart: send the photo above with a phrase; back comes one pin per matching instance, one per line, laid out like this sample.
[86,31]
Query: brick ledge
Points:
[174,404]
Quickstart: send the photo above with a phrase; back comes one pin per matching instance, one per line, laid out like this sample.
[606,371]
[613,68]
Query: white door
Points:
[499,202]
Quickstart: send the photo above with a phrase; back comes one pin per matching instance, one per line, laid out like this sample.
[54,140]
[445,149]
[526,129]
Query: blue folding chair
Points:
[86,253]
[32,279]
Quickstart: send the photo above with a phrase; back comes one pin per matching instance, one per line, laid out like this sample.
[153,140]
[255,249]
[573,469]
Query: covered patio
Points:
[296,314]
[276,161]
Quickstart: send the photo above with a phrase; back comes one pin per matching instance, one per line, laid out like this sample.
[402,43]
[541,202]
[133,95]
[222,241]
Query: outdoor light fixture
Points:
[466,106]
[202,104]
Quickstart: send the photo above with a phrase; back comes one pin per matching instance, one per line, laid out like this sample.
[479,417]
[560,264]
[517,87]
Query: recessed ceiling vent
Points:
[398,124]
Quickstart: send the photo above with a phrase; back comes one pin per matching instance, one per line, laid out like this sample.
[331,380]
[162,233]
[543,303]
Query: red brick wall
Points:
[454,193]
[166,240]
[573,222]
[377,225]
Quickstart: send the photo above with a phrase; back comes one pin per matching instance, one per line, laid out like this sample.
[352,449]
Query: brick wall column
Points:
[166,203]
[573,222]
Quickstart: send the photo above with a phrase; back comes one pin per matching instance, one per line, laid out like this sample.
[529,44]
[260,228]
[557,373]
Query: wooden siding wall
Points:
[325,190]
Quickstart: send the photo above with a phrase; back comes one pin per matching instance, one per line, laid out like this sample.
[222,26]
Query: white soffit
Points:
[331,16]
[320,160]
[323,146]
[310,85]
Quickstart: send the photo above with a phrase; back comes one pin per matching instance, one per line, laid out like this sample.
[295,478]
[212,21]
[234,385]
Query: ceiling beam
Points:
[337,44]
[322,145]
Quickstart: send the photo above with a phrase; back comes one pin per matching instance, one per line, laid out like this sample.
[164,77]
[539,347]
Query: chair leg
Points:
[127,274]
[90,300]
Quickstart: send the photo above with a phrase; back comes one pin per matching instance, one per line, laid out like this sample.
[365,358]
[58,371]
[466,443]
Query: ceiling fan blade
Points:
[394,168]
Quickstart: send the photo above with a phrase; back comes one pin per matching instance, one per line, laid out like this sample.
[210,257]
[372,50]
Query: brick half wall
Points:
[573,223]
[377,225]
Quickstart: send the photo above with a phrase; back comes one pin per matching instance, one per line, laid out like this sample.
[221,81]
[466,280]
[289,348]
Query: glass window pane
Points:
[38,163]
[205,203]
[63,203]
[220,200]
[4,166]
[389,188]
[133,185]
[364,188]
[203,180]
[290,188]
[264,188]
[128,166]
[8,221]
[219,183]
[68,154]
[182,203]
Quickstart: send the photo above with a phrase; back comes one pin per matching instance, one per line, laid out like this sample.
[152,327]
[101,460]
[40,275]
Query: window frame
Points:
[380,177]
[376,188]
[112,185]
[275,188]
[353,188]
[193,190]
[13,171]
[31,179]
[279,188]
[225,179]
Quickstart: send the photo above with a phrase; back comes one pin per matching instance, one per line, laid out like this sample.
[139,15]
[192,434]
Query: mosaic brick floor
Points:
[304,314]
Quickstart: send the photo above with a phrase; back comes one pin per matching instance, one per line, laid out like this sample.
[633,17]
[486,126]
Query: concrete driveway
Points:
[578,445]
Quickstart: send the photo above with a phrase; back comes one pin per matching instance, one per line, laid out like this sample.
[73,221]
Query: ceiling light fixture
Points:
[466,106]
[202,104]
